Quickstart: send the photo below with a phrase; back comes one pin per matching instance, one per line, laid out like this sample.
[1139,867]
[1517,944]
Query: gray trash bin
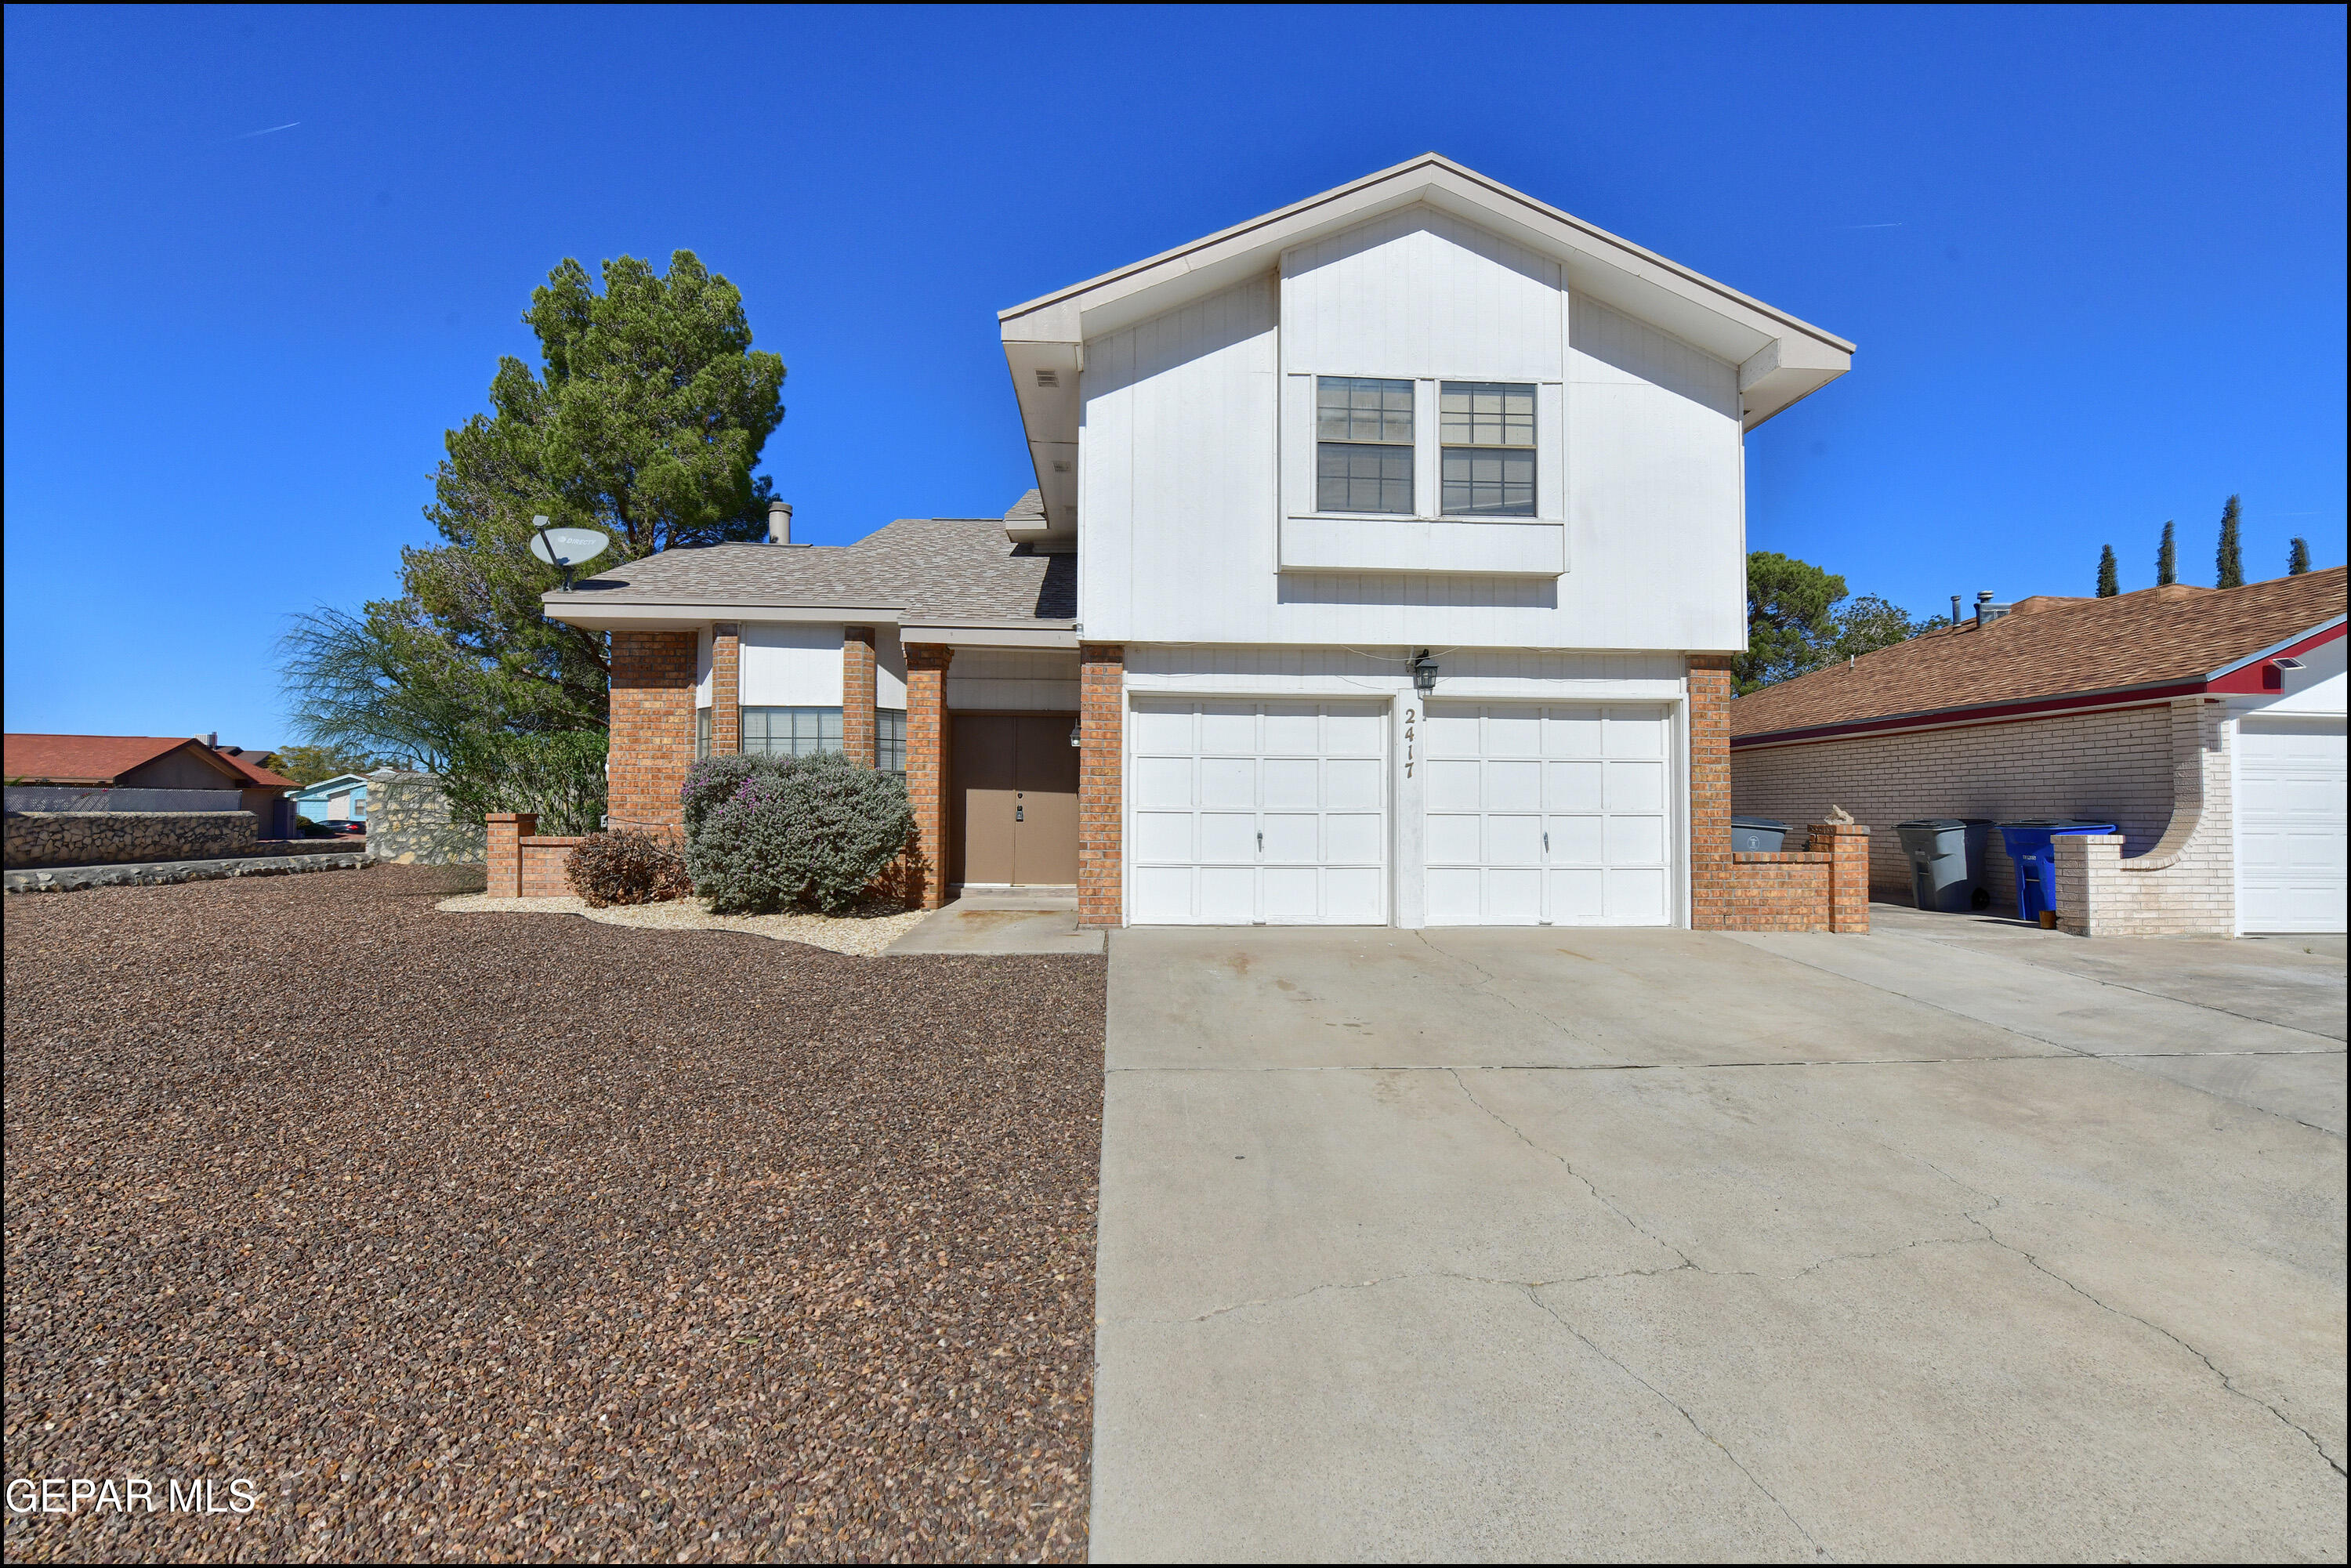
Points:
[1765,834]
[1946,855]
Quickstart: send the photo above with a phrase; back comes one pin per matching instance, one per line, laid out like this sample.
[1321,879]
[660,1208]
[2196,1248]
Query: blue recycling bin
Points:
[2029,845]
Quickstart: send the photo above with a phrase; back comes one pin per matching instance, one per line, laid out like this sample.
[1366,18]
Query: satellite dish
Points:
[567,547]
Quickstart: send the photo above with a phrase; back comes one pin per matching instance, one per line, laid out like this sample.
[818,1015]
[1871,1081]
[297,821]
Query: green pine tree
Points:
[2230,556]
[2167,568]
[2109,582]
[2297,558]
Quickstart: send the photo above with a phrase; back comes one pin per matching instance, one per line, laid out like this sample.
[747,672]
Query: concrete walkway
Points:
[1553,1243]
[1016,921]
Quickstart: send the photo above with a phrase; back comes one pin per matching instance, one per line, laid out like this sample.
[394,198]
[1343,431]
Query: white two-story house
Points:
[1386,562]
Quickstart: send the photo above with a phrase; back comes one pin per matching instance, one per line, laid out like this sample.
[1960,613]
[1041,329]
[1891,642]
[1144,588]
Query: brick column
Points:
[1101,727]
[1710,793]
[652,729]
[857,721]
[507,832]
[926,762]
[1847,846]
[726,689]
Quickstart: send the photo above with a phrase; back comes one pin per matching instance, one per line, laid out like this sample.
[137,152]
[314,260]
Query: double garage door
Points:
[2290,826]
[1275,812]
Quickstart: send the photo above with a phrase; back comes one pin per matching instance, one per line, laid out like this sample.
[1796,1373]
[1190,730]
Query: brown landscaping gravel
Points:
[464,1237]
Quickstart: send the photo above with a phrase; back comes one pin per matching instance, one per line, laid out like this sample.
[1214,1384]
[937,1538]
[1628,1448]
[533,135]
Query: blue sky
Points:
[2093,259]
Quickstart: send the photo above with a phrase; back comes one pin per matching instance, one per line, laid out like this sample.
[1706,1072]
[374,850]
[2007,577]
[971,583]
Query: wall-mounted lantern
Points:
[1424,673]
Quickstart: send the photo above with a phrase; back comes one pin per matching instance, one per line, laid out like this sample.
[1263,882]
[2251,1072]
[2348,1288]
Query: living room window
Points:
[890,739]
[791,731]
[1486,432]
[1363,455]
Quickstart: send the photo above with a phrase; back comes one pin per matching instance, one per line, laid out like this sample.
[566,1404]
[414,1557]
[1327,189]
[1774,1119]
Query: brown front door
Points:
[1016,785]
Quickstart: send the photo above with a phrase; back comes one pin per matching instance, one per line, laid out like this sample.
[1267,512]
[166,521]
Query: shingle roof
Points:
[94,758]
[2050,647]
[927,567]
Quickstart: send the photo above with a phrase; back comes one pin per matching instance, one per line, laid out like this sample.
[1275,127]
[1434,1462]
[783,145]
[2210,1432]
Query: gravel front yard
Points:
[528,1236]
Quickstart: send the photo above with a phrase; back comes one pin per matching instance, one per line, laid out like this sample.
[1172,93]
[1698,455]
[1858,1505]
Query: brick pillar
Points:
[1710,793]
[652,729]
[927,761]
[1102,721]
[1847,845]
[726,689]
[857,721]
[507,829]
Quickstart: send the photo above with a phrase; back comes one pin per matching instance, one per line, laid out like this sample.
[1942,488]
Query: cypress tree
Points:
[2110,583]
[2231,560]
[2297,558]
[2165,564]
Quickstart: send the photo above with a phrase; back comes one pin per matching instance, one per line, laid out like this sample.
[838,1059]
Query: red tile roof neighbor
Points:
[2047,648]
[102,758]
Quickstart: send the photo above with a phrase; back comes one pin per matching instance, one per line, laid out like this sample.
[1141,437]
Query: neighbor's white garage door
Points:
[2289,825]
[1257,811]
[1548,815]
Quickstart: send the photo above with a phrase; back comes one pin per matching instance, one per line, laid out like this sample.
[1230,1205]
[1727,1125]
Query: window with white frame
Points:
[701,732]
[791,731]
[1363,451]
[1486,432]
[890,739]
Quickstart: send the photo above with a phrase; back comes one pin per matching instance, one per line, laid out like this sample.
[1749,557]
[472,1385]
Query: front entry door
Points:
[1017,785]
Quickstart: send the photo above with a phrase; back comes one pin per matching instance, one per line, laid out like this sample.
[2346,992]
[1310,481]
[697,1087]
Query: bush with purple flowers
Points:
[769,834]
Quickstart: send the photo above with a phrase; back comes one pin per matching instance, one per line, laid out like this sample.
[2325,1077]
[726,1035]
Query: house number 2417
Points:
[1408,716]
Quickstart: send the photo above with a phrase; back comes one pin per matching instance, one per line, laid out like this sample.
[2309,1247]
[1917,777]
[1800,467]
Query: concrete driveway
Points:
[1955,1241]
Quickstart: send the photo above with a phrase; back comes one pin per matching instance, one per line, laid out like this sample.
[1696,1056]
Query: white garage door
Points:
[1249,812]
[2289,825]
[1553,815]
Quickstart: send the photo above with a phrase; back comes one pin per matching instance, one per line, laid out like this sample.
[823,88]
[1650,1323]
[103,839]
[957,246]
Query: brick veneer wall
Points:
[726,689]
[2114,766]
[507,830]
[545,866]
[1102,718]
[1822,887]
[928,762]
[1712,885]
[857,720]
[652,729]
[2185,885]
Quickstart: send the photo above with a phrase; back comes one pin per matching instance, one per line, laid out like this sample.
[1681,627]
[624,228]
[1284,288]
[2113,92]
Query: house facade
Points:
[144,773]
[2206,724]
[343,798]
[1385,566]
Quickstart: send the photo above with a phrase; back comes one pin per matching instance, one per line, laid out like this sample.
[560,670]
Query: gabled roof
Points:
[951,570]
[1780,357]
[2048,651]
[337,785]
[262,777]
[103,759]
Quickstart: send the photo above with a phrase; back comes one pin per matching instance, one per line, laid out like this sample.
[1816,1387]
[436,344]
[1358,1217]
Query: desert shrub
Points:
[557,774]
[768,833]
[627,867]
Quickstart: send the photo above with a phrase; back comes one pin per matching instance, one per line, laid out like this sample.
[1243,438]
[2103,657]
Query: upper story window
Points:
[791,731]
[1486,433]
[1363,452]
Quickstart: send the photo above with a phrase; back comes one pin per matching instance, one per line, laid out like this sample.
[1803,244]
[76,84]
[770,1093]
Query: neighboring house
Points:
[190,774]
[2206,724]
[1385,566]
[343,798]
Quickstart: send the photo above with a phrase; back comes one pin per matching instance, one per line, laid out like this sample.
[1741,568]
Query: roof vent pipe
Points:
[1955,612]
[780,522]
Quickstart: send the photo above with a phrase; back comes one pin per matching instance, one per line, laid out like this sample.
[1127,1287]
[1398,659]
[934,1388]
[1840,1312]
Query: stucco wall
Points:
[2114,766]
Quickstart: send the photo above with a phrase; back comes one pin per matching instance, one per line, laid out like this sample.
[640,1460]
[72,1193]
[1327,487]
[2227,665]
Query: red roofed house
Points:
[147,762]
[2206,724]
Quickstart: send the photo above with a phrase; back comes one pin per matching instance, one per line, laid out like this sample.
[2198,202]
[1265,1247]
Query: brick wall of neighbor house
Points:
[1102,716]
[2184,885]
[652,729]
[857,721]
[1711,883]
[726,689]
[926,762]
[1822,887]
[2113,766]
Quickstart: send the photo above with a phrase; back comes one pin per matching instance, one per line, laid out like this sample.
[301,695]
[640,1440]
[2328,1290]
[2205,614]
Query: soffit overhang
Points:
[1780,357]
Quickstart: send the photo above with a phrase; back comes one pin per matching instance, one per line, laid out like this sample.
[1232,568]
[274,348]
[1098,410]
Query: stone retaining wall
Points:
[148,873]
[408,824]
[112,838]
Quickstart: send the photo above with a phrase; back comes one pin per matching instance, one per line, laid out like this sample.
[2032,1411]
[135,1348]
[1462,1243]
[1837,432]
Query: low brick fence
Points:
[522,863]
[1823,888]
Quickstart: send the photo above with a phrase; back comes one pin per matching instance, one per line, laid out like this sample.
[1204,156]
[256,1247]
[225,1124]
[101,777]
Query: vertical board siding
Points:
[786,665]
[1013,680]
[1421,293]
